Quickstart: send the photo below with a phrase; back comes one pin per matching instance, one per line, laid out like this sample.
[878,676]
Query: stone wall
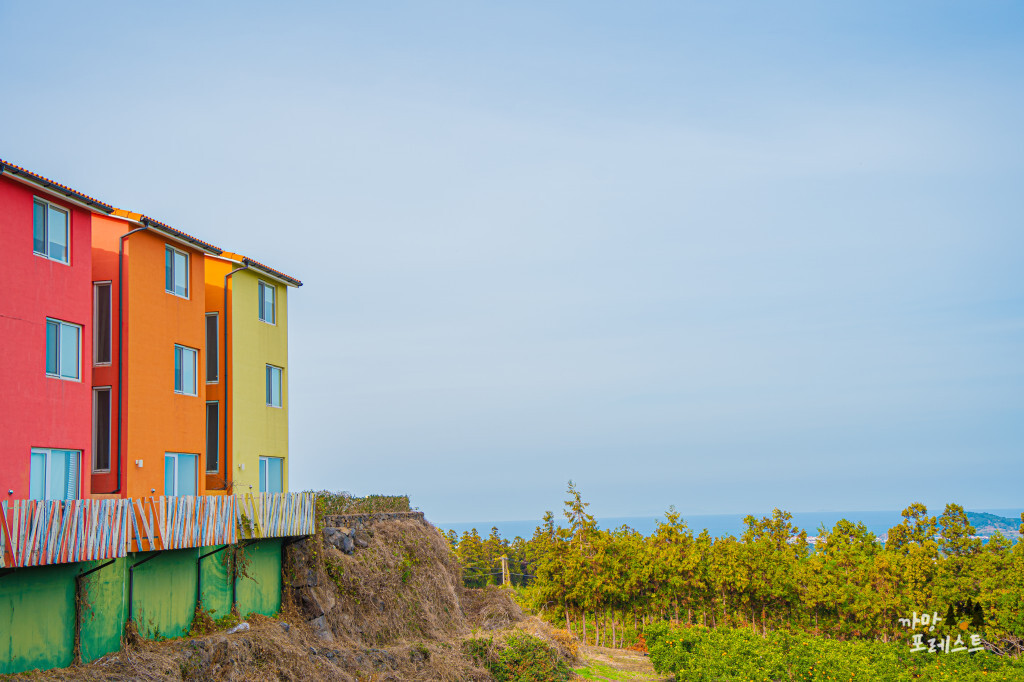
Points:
[360,521]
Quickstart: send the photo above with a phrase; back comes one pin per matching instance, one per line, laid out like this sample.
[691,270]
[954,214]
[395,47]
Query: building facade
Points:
[138,360]
[46,324]
[248,304]
[150,396]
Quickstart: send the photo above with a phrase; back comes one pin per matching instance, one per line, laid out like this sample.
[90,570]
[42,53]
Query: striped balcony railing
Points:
[43,532]
[182,522]
[274,515]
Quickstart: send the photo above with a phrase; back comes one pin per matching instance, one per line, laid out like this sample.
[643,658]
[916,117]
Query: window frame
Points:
[95,431]
[96,323]
[61,324]
[174,456]
[215,355]
[269,393]
[46,229]
[216,421]
[264,475]
[195,370]
[188,267]
[76,454]
[261,303]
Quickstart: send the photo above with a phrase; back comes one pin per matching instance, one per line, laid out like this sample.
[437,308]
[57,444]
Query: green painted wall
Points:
[37,605]
[257,430]
[164,597]
[37,615]
[104,608]
[216,588]
[263,593]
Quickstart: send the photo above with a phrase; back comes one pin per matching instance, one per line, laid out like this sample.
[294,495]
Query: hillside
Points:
[989,524]
[379,600]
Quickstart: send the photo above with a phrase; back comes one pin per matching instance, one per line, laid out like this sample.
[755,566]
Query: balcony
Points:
[45,532]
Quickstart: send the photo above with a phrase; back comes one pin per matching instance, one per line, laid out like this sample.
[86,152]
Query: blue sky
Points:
[726,256]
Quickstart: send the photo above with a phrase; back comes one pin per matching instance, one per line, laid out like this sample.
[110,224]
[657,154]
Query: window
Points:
[212,355]
[268,303]
[101,307]
[274,386]
[179,474]
[101,429]
[212,437]
[185,370]
[176,272]
[54,474]
[271,475]
[62,349]
[50,231]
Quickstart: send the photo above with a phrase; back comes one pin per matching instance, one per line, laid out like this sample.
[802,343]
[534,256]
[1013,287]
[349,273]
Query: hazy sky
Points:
[727,256]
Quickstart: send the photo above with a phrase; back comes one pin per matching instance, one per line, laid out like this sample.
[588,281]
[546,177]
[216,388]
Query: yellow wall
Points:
[257,430]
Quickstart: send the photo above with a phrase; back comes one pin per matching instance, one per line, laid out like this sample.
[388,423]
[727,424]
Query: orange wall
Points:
[156,419]
[216,269]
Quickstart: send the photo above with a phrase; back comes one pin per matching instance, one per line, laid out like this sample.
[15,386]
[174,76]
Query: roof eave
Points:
[273,274]
[70,195]
[179,236]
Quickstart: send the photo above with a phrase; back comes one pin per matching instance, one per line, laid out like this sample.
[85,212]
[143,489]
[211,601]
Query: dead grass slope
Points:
[392,610]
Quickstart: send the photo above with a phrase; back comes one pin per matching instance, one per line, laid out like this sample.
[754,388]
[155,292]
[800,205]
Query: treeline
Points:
[609,583]
[481,558]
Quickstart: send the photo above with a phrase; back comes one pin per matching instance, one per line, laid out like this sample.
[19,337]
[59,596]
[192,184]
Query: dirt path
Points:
[618,665]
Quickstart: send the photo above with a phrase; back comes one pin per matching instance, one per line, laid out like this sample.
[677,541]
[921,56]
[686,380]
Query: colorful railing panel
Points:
[275,515]
[44,532]
[160,523]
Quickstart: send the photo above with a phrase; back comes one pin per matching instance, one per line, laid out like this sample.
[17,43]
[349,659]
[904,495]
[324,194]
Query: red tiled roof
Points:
[178,233]
[272,271]
[163,227]
[8,167]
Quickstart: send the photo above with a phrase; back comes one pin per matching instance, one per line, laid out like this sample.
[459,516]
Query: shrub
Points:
[702,654]
[520,658]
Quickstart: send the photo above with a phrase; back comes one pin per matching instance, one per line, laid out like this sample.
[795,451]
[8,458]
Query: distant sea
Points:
[718,525]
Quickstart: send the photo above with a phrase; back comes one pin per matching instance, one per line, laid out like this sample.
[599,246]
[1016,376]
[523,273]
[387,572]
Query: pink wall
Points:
[37,410]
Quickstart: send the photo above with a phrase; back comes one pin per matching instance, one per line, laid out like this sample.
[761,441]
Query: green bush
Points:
[703,654]
[521,658]
[328,503]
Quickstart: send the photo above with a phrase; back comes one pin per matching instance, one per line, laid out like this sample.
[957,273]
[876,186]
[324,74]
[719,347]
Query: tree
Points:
[917,527]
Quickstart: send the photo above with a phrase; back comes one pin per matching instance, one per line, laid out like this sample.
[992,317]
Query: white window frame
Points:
[49,467]
[195,370]
[260,287]
[188,267]
[280,374]
[46,229]
[264,483]
[96,323]
[174,456]
[78,360]
[110,428]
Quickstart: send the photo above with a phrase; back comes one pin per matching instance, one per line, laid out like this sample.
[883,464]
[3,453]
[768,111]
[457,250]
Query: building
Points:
[148,393]
[247,393]
[46,327]
[138,360]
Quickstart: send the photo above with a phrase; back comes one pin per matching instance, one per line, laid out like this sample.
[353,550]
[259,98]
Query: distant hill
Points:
[988,524]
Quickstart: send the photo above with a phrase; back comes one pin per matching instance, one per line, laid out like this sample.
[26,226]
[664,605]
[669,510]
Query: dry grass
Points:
[404,586]
[396,611]
[490,608]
